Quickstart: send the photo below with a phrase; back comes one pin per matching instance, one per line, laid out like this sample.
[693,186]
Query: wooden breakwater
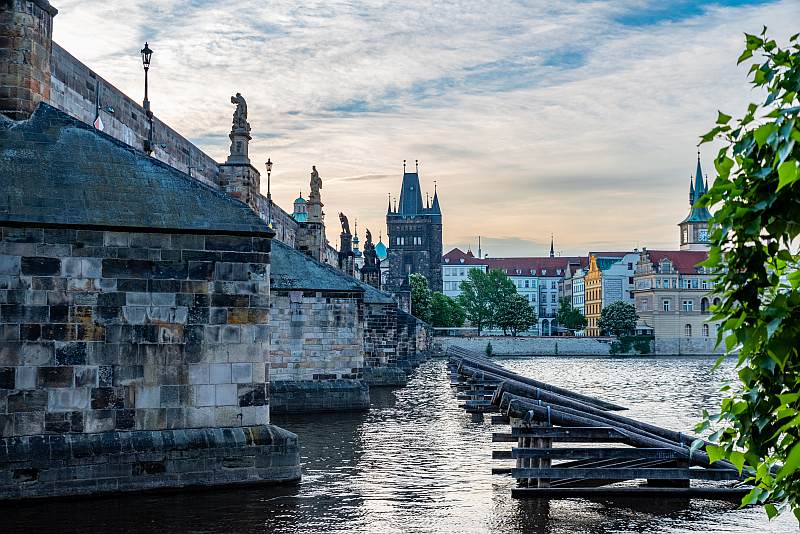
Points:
[574,445]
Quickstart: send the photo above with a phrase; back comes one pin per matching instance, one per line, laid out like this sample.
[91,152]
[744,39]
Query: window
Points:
[704,284]
[630,280]
[527,283]
[685,284]
[665,305]
[553,285]
[643,305]
[666,283]
[687,330]
[688,305]
[703,305]
[674,283]
[705,330]
[658,283]
[630,266]
[553,297]
[461,272]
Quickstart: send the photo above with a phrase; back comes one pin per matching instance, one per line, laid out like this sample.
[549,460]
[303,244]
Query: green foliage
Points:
[489,349]
[474,299]
[420,297]
[623,345]
[754,251]
[483,296]
[570,317]
[618,319]
[446,311]
[514,314]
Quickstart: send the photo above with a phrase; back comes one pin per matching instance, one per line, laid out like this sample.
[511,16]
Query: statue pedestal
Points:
[240,139]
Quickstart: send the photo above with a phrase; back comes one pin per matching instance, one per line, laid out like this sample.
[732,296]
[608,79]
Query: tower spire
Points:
[389,209]
[552,247]
[699,190]
[416,165]
[404,166]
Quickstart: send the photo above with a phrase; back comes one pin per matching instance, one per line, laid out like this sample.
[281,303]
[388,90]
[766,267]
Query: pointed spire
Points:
[395,205]
[427,201]
[416,165]
[698,180]
[705,185]
[691,191]
[404,166]
[389,209]
[435,208]
[552,247]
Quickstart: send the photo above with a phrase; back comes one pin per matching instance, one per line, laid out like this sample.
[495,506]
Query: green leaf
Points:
[737,459]
[747,54]
[771,510]
[791,464]
[722,118]
[762,133]
[715,453]
[787,173]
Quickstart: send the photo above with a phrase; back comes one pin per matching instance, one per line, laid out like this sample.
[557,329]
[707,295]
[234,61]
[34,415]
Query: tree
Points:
[754,236]
[570,317]
[618,319]
[420,297]
[445,311]
[514,314]
[475,299]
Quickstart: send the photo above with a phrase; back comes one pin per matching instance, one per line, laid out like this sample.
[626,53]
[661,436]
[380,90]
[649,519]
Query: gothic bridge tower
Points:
[415,235]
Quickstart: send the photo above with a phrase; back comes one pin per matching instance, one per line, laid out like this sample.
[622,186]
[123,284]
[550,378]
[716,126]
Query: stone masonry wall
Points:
[316,336]
[113,331]
[528,346]
[687,345]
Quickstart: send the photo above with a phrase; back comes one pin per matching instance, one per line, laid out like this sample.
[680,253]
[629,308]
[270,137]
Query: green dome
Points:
[381,251]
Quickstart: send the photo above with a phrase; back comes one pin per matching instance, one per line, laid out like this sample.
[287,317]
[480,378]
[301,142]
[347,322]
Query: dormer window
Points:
[462,260]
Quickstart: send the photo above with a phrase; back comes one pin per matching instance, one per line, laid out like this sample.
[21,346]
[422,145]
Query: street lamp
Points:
[146,55]
[269,192]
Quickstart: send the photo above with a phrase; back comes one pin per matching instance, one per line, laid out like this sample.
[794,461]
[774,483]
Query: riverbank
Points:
[573,346]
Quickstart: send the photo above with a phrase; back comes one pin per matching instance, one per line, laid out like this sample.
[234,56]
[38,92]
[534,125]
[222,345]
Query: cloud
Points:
[576,118]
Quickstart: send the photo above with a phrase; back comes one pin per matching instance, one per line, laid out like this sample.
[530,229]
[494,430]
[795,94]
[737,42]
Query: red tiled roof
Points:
[683,261]
[608,254]
[455,257]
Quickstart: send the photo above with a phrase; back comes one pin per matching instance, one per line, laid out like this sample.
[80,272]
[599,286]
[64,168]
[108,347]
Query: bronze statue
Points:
[368,239]
[240,115]
[370,256]
[345,223]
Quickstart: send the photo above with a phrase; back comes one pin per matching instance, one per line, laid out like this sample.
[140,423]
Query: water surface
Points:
[416,463]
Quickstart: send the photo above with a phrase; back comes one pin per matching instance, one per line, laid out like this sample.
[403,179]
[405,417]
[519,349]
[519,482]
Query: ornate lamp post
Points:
[146,55]
[269,192]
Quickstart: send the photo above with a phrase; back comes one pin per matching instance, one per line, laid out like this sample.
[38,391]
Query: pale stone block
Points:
[138,299]
[148,396]
[134,314]
[220,373]
[259,373]
[71,267]
[91,267]
[242,373]
[26,378]
[163,299]
[226,395]
[199,417]
[67,399]
[199,373]
[255,415]
[227,416]
[204,395]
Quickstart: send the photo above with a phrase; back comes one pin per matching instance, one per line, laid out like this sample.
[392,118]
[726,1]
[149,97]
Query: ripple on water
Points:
[415,463]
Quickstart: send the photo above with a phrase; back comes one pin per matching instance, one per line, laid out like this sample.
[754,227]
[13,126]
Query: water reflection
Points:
[416,463]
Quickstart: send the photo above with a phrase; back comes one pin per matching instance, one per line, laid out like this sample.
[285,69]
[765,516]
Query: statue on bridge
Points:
[370,256]
[316,181]
[345,224]
[240,115]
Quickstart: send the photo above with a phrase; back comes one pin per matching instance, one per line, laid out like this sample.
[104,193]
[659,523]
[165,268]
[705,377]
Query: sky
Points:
[578,119]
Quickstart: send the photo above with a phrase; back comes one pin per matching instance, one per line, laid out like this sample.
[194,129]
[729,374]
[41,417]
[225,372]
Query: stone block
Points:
[199,374]
[26,377]
[134,314]
[220,373]
[199,417]
[27,401]
[56,377]
[86,377]
[91,267]
[204,395]
[67,399]
[37,266]
[10,265]
[105,398]
[251,394]
[241,373]
[226,395]
[70,353]
[8,378]
[98,421]
[230,334]
[28,423]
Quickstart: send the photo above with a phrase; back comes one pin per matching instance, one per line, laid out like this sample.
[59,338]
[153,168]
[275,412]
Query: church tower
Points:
[694,228]
[415,235]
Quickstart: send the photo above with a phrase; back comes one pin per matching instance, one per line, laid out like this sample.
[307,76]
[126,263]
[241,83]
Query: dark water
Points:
[415,463]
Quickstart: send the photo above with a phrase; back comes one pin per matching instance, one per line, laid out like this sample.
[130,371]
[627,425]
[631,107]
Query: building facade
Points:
[415,236]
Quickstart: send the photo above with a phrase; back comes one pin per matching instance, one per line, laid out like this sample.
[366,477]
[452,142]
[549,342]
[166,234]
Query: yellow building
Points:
[593,287]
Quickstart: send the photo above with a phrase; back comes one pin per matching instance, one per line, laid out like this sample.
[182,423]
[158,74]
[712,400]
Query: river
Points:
[415,463]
